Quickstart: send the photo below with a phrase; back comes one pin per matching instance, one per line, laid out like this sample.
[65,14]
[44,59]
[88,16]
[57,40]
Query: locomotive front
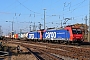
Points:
[77,35]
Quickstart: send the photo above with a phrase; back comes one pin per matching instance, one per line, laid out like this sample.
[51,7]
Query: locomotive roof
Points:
[55,29]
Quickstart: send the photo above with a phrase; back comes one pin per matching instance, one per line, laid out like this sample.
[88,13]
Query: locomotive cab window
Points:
[79,31]
[67,30]
[76,31]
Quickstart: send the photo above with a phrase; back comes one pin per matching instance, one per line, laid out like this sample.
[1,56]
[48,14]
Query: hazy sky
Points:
[22,12]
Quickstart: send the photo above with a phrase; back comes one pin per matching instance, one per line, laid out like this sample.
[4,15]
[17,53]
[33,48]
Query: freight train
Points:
[69,34]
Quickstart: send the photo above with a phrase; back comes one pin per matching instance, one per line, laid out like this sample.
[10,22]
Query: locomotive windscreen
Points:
[76,31]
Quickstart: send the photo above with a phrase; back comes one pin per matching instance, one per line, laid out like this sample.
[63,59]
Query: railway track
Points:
[46,55]
[39,54]
[51,56]
[56,50]
[35,55]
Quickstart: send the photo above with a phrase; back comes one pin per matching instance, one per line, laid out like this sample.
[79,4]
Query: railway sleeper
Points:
[51,55]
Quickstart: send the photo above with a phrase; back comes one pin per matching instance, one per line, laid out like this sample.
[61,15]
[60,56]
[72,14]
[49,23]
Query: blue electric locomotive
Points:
[50,35]
[33,35]
[68,34]
[56,35]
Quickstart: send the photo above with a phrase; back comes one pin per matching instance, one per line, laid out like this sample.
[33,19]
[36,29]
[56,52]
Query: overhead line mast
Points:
[89,24]
[44,18]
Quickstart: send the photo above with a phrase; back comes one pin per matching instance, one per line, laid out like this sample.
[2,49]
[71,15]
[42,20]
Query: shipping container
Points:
[22,35]
[16,36]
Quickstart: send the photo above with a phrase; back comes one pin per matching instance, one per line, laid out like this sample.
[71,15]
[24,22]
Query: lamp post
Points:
[44,18]
[12,28]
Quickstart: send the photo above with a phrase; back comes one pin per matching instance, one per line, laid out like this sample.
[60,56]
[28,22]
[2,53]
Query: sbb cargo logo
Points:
[50,35]
[31,36]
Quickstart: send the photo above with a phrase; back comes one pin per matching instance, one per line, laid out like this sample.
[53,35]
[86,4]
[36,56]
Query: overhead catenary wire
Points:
[48,15]
[12,4]
[71,6]
[67,11]
[34,13]
[80,3]
[30,14]
[28,8]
